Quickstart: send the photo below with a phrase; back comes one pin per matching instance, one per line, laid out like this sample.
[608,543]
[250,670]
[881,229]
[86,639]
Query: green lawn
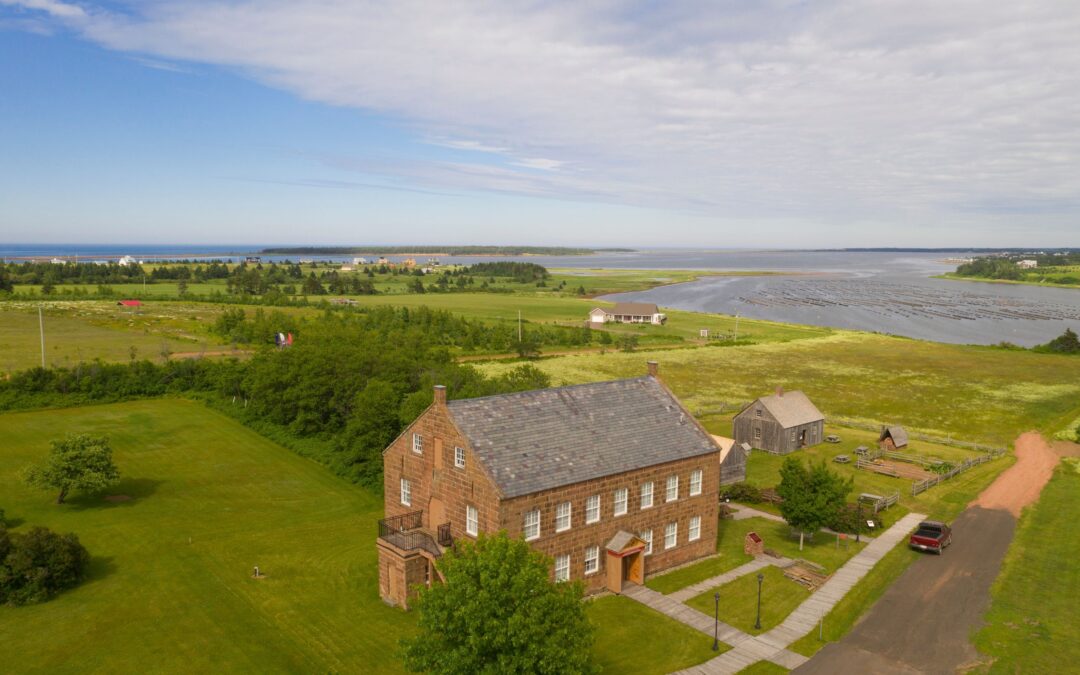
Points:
[738,600]
[631,638]
[1032,624]
[170,587]
[981,394]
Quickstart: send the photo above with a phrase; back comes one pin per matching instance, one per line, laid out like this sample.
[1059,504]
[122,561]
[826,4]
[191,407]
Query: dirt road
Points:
[922,623]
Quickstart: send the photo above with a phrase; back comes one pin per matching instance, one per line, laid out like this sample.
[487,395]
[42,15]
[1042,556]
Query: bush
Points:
[742,492]
[39,564]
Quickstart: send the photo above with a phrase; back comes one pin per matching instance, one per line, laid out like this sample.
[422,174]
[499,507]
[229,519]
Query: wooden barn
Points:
[732,460]
[781,423]
[893,438]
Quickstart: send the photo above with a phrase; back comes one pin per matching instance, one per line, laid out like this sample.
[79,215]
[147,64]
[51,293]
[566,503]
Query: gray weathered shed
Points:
[893,437]
[781,423]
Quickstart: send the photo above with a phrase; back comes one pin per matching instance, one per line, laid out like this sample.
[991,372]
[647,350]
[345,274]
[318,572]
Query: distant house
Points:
[893,437]
[732,460]
[628,312]
[781,423]
[1027,264]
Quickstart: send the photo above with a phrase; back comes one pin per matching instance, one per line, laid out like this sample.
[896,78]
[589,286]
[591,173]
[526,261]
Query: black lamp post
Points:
[716,623]
[760,580]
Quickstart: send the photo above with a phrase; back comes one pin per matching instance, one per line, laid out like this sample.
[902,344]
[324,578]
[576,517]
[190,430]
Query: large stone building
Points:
[612,480]
[781,423]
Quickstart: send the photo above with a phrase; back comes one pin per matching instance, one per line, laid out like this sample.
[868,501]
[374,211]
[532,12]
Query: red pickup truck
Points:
[931,536]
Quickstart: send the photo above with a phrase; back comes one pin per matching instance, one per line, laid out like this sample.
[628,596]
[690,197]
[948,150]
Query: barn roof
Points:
[898,433]
[791,408]
[634,309]
[543,439]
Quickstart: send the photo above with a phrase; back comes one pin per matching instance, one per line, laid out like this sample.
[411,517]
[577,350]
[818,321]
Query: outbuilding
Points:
[781,423]
[893,437]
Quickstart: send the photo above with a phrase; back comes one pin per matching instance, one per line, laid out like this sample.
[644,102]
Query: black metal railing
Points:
[445,538]
[401,524]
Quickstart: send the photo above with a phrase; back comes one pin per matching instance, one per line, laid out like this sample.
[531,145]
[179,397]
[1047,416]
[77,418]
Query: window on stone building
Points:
[621,496]
[592,559]
[418,444]
[459,458]
[562,568]
[472,521]
[532,525]
[406,492]
[646,536]
[695,528]
[562,517]
[646,495]
[672,492]
[671,535]
[592,509]
[695,483]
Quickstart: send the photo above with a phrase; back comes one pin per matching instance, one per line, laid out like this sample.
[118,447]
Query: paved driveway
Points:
[923,622]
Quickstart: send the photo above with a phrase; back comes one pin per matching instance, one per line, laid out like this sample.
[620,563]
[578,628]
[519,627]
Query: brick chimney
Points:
[440,394]
[780,392]
[653,368]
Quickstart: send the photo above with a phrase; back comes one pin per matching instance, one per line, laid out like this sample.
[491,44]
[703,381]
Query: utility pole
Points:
[41,329]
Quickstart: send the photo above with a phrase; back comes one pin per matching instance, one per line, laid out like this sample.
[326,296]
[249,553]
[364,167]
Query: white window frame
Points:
[646,536]
[646,495]
[406,492]
[592,510]
[671,493]
[592,560]
[418,444]
[562,568]
[472,520]
[694,530]
[671,535]
[696,479]
[621,496]
[527,524]
[563,513]
[459,457]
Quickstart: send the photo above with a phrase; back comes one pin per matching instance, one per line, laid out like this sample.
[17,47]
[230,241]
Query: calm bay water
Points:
[884,292]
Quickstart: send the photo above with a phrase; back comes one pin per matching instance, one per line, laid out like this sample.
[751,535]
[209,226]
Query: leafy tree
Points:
[499,612]
[76,462]
[39,564]
[812,497]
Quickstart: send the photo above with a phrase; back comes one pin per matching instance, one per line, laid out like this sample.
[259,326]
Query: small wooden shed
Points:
[893,437]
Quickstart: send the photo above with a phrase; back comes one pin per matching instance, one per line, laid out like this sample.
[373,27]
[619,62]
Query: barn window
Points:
[695,483]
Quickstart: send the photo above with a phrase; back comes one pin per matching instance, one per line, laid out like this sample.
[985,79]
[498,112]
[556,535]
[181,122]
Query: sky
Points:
[772,123]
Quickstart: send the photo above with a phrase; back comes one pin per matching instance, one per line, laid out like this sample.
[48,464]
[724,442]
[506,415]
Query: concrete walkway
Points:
[731,575]
[772,645]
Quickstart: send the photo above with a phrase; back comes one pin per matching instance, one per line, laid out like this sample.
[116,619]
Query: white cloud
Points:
[904,111]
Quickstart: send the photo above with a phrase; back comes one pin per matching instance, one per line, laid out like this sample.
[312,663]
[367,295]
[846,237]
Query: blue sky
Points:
[772,124]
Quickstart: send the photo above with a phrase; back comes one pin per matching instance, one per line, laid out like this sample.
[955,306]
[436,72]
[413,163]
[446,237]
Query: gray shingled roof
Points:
[791,409]
[538,440]
[634,309]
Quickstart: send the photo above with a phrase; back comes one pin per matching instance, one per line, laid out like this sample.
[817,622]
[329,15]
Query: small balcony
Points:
[407,532]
